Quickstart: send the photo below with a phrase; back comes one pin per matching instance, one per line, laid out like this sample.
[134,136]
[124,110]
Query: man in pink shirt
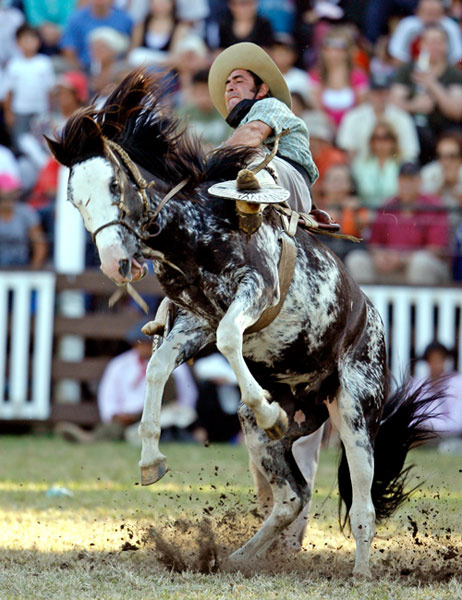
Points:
[408,240]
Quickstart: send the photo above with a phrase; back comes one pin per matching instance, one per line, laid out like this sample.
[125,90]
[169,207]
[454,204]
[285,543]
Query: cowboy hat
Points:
[249,57]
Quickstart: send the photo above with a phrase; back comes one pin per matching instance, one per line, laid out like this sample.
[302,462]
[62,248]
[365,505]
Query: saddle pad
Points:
[267,194]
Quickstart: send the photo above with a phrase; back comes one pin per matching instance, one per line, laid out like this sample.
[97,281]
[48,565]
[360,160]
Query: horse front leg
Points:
[244,311]
[187,336]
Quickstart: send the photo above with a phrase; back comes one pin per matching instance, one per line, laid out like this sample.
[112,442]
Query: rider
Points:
[249,91]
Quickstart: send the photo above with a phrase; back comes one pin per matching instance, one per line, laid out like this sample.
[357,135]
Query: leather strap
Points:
[286,268]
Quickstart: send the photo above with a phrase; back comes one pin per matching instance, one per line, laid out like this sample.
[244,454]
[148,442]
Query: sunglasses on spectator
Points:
[335,43]
[448,155]
[380,137]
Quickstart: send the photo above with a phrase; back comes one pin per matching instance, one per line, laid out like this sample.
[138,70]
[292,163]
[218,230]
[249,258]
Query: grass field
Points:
[100,542]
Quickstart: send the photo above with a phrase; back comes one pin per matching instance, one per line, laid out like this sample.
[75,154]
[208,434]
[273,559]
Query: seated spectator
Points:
[405,39]
[200,114]
[243,24]
[75,44]
[408,241]
[376,175]
[382,65]
[337,85]
[280,13]
[357,124]
[159,32]
[121,394]
[447,421]
[28,81]
[22,242]
[8,163]
[219,398]
[107,48]
[284,54]
[431,90]
[324,153]
[337,196]
[10,18]
[443,177]
[378,13]
[50,18]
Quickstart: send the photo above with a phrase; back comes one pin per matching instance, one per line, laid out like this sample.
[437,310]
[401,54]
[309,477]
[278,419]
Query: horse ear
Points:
[57,150]
[80,139]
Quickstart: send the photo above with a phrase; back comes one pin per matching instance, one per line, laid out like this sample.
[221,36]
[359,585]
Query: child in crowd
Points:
[28,81]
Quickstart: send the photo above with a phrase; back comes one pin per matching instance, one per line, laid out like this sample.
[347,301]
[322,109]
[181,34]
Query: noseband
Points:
[113,152]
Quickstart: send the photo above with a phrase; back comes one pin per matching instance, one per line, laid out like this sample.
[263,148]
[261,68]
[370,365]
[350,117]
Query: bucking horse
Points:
[141,185]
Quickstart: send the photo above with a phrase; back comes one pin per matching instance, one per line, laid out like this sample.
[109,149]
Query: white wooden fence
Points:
[27,304]
[413,317]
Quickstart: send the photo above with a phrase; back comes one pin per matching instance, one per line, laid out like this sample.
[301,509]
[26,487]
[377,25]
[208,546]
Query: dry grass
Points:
[97,543]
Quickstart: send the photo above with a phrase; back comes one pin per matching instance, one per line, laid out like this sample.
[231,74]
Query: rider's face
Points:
[240,86]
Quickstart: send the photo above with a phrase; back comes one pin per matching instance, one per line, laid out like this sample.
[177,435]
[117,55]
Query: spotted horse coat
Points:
[323,356]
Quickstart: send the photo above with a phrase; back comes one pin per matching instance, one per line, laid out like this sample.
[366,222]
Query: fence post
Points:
[69,259]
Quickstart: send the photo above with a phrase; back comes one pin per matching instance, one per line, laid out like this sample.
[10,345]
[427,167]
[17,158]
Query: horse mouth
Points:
[134,269]
[139,268]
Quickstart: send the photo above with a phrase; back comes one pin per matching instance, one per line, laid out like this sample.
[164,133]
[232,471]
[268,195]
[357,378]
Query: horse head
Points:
[112,202]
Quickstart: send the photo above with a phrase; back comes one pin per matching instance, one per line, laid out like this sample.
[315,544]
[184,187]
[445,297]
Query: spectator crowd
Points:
[379,85]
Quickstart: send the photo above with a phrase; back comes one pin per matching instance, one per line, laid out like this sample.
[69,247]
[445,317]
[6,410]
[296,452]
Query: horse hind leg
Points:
[347,416]
[242,313]
[281,493]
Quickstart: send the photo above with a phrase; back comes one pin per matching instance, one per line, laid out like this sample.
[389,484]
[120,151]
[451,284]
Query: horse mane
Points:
[135,116]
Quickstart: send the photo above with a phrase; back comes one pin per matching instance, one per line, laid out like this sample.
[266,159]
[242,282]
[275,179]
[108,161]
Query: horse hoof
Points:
[153,328]
[280,427]
[362,574]
[153,473]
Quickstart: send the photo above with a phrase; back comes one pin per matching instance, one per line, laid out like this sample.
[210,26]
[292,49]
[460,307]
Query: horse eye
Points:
[114,187]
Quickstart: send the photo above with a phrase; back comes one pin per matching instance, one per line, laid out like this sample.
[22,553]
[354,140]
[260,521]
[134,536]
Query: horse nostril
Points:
[124,267]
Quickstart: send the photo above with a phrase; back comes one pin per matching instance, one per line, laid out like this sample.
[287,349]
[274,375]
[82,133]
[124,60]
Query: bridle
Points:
[119,158]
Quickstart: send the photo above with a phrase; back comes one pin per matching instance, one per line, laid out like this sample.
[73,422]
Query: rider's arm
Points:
[251,134]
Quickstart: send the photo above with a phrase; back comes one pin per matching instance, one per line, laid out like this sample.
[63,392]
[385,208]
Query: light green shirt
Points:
[295,145]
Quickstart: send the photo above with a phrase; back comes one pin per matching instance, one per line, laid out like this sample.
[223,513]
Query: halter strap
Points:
[113,149]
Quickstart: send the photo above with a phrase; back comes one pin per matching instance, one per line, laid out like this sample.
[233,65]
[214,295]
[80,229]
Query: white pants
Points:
[289,178]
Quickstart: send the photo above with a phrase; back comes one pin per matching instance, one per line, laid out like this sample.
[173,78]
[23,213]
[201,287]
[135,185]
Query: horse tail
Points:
[403,426]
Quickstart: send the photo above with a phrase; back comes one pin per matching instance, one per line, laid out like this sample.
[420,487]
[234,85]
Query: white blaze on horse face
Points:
[89,191]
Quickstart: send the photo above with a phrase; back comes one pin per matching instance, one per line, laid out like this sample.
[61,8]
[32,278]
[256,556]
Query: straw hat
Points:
[249,57]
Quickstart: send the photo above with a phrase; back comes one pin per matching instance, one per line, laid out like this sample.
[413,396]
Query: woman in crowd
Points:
[431,90]
[443,177]
[243,24]
[337,84]
[160,30]
[376,174]
[338,197]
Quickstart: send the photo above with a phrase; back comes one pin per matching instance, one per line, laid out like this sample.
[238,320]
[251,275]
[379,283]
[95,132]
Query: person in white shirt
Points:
[121,394]
[409,29]
[28,81]
[357,125]
[447,421]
